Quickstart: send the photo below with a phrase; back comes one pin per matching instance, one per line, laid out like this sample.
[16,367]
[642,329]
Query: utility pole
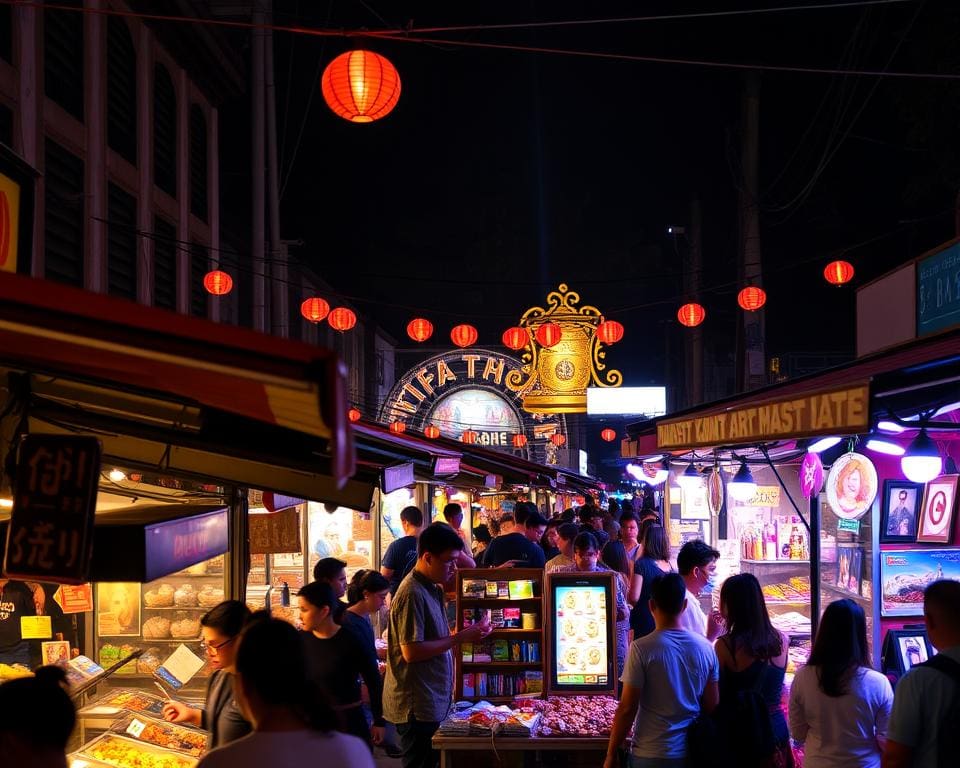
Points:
[751,345]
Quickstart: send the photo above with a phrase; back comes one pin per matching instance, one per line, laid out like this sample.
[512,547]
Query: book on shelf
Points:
[466,652]
[501,650]
[521,589]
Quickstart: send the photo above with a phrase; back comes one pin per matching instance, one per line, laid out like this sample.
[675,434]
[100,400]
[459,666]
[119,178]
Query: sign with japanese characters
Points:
[50,536]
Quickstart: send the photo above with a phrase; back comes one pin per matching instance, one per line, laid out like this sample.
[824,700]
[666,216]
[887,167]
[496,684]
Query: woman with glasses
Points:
[220,627]
[336,660]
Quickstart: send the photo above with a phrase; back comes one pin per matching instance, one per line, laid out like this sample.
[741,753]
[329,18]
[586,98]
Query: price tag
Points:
[136,728]
[853,526]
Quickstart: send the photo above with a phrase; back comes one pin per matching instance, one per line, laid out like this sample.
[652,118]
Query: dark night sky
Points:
[502,173]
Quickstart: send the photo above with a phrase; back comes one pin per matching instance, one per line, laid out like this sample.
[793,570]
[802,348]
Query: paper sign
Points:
[36,628]
[136,728]
[55,652]
[848,525]
[75,599]
[180,667]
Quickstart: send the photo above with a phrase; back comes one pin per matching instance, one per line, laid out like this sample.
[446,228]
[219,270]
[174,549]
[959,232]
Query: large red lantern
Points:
[419,329]
[519,441]
[354,414]
[549,335]
[838,272]
[398,427]
[342,319]
[752,298]
[691,315]
[432,431]
[558,439]
[610,331]
[515,338]
[314,309]
[609,435]
[463,335]
[360,86]
[218,283]
[469,437]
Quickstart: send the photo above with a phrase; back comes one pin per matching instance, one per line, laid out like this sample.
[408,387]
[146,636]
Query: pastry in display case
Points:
[155,617]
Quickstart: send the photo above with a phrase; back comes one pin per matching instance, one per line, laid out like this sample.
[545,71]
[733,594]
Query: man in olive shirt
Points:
[418,688]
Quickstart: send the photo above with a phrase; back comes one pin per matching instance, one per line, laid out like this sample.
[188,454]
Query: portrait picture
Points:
[936,517]
[900,512]
[55,652]
[913,650]
[851,486]
[118,609]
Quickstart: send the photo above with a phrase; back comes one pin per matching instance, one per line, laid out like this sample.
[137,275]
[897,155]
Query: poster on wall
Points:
[906,574]
[936,519]
[851,486]
[118,609]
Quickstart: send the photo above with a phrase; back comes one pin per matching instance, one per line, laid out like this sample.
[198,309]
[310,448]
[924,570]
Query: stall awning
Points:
[930,364]
[178,393]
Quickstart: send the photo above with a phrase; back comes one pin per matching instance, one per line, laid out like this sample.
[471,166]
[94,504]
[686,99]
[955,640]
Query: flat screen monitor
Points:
[581,645]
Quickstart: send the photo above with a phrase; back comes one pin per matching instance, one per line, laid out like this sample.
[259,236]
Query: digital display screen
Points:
[581,654]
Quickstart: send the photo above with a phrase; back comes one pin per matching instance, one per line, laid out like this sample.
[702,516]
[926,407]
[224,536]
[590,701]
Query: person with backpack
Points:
[839,706]
[924,729]
[669,681]
[753,663]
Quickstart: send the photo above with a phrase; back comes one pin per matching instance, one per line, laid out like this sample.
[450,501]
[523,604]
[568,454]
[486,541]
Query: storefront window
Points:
[342,533]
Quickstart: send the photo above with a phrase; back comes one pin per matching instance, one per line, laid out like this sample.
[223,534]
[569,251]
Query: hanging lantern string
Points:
[400,35]
[231,259]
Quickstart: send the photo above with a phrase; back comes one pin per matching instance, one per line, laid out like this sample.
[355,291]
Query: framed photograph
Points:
[900,511]
[905,648]
[118,609]
[936,517]
[55,652]
[905,574]
[849,568]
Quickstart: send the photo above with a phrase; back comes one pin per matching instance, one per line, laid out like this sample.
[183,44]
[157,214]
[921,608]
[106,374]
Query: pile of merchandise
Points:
[573,715]
[482,719]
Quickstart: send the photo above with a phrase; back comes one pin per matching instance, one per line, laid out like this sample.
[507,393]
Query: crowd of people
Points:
[697,686]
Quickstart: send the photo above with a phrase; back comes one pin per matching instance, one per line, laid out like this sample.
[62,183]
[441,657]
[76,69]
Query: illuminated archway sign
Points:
[467,390]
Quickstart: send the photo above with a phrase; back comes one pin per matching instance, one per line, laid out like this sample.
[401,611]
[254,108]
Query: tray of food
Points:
[122,752]
[162,734]
[76,760]
[121,699]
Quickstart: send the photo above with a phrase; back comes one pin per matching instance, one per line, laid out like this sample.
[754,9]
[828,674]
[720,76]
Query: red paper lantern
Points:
[398,427]
[360,86]
[558,439]
[469,437]
[342,319]
[519,441]
[549,335]
[218,283]
[691,315]
[838,272]
[610,331]
[609,435]
[432,431]
[752,298]
[516,338]
[314,309]
[463,335]
[354,414]
[419,329]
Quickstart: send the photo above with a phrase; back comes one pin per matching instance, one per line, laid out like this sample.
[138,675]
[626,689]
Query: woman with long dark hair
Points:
[337,660]
[614,556]
[290,719]
[839,706]
[753,662]
[654,561]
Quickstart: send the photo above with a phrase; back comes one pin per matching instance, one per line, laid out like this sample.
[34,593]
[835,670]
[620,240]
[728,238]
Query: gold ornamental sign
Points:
[554,378]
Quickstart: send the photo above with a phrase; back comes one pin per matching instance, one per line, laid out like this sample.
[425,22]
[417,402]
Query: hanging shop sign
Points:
[851,486]
[444,466]
[173,545]
[50,536]
[564,354]
[811,475]
[16,212]
[938,290]
[275,533]
[472,391]
[400,476]
[835,411]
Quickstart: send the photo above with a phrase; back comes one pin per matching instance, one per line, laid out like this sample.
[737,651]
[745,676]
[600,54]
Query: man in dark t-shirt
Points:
[402,550]
[518,547]
[16,601]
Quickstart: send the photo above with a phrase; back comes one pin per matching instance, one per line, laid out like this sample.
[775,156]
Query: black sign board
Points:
[50,536]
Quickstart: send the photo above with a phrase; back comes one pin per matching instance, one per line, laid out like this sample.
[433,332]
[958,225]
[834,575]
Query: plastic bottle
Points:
[285,595]
[771,542]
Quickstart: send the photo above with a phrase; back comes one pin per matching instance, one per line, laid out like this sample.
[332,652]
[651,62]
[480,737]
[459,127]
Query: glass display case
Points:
[155,617]
[342,533]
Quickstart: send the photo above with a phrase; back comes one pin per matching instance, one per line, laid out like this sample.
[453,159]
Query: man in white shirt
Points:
[697,564]
[671,676]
